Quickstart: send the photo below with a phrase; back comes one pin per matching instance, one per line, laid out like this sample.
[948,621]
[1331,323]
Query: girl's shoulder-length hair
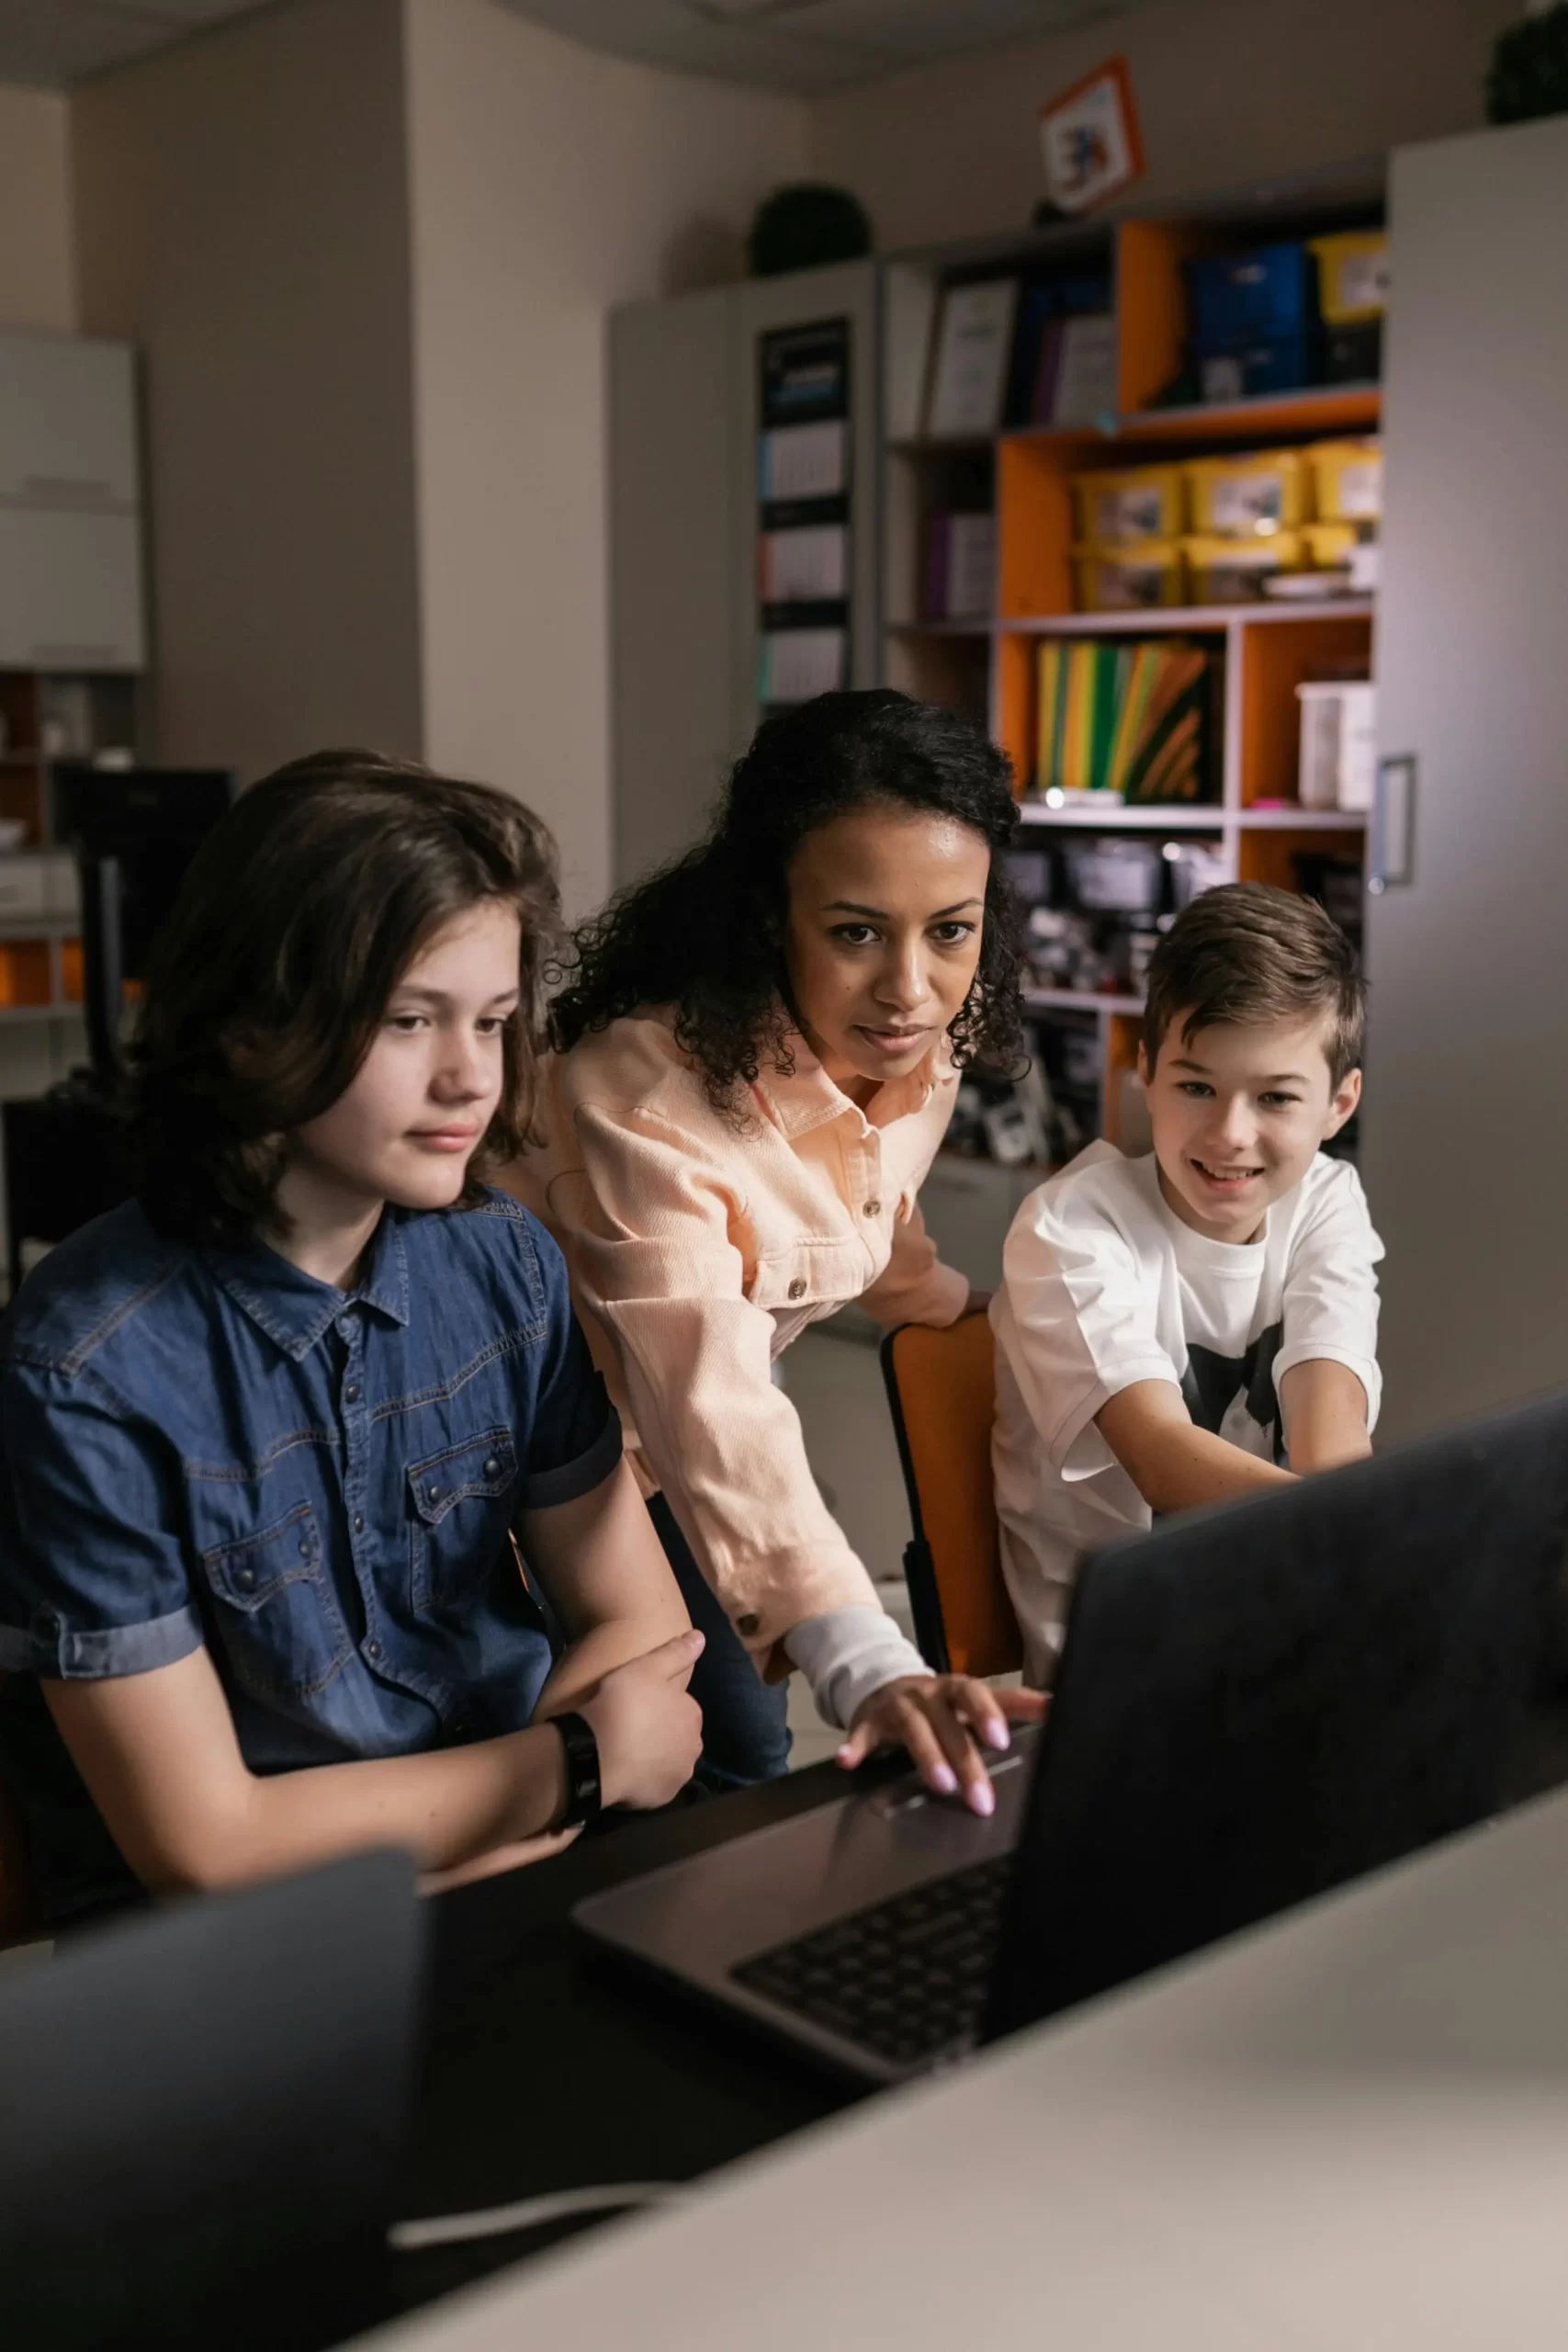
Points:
[293,925]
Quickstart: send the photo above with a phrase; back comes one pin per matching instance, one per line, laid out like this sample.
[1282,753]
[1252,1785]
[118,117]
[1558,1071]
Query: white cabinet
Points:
[70,525]
[67,422]
[70,591]
[1465,1129]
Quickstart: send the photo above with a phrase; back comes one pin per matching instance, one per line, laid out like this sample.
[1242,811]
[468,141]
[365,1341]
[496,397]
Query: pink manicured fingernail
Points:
[845,1755]
[984,1799]
[944,1780]
[997,1734]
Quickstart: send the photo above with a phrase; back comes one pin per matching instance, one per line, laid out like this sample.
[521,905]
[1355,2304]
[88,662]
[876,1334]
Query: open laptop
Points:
[201,2112]
[1255,1703]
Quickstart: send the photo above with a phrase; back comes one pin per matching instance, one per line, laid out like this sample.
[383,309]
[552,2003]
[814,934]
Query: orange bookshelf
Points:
[988,665]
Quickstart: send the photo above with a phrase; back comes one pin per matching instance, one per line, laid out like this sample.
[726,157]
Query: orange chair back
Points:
[941,1387]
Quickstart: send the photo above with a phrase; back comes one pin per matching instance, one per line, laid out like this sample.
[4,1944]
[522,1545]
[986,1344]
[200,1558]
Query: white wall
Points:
[1228,91]
[37,276]
[548,182]
[243,215]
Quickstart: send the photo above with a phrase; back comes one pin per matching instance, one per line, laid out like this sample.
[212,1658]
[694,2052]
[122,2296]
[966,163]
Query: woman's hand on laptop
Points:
[943,1720]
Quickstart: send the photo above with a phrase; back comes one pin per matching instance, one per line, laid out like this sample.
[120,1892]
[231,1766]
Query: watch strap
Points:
[584,1795]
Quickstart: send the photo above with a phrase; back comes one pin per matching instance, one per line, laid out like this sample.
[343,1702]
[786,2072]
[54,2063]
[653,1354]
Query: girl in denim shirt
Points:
[274,1430]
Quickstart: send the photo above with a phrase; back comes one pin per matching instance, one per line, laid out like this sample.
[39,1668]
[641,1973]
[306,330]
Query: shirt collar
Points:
[806,1097]
[293,1309]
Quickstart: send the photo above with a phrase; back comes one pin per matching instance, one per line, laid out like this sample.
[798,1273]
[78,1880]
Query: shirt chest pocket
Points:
[812,1275]
[278,1625]
[461,1501]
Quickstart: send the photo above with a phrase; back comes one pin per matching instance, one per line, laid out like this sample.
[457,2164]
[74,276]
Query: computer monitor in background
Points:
[134,832]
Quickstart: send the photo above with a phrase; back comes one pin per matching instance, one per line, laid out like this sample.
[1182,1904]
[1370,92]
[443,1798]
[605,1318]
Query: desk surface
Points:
[548,2068]
[1339,2133]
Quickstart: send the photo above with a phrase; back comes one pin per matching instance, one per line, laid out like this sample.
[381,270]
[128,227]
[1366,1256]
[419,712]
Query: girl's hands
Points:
[939,1718]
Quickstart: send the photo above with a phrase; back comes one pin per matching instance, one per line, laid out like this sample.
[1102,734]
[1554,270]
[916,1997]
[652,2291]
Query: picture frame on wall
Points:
[1089,139]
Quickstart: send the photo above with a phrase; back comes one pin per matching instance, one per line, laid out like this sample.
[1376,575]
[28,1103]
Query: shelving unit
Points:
[41,954]
[987,666]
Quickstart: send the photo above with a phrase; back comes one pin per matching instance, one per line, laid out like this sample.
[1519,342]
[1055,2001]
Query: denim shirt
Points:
[208,1446]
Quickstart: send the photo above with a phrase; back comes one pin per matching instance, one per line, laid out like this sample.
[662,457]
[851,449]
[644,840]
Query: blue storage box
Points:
[1272,290]
[1245,366]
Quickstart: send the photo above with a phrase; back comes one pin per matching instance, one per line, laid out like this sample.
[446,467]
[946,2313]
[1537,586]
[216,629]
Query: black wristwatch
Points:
[583,1794]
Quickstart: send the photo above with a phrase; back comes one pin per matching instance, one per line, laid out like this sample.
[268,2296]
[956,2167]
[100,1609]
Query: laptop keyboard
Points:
[905,1978]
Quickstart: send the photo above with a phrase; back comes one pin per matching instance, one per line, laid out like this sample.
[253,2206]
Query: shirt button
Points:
[350,1394]
[372,1649]
[492,1468]
[872,1208]
[359,1523]
[432,1494]
[306,1547]
[750,1623]
[797,1288]
[244,1579]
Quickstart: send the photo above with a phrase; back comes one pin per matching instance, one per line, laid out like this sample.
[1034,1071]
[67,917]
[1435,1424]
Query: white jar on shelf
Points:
[1338,754]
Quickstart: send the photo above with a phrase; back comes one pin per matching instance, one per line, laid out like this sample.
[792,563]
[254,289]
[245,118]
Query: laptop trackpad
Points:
[701,1915]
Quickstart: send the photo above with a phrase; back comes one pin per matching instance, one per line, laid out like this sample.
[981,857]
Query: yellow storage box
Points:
[1238,571]
[1135,503]
[1352,276]
[1348,480]
[1146,573]
[1248,496]
[1328,546]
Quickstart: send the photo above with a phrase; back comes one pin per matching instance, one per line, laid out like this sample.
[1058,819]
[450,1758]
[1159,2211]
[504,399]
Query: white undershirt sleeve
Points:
[846,1654]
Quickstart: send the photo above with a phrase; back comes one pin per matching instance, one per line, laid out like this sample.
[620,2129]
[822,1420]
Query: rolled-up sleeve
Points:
[655,1229]
[94,1578]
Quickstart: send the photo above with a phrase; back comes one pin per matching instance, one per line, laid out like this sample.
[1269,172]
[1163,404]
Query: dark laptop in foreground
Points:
[1254,1704]
[201,2114]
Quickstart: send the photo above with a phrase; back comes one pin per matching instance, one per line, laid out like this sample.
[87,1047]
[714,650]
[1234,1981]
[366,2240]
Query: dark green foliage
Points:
[1529,69]
[804,227]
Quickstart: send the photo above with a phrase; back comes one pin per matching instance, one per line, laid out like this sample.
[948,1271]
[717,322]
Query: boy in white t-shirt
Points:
[1177,1328]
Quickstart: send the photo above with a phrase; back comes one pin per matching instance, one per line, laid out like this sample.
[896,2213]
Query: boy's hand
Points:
[932,1716]
[649,1727]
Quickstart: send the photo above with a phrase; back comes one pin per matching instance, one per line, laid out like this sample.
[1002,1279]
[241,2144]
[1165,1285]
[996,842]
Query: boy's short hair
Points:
[296,920]
[1248,951]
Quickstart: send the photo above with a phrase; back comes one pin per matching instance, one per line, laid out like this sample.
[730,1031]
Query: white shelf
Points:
[1301,820]
[1079,1001]
[11,1014]
[1157,620]
[1153,620]
[1183,818]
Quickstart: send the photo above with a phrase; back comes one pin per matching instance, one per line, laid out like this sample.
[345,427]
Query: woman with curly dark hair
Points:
[756,1058]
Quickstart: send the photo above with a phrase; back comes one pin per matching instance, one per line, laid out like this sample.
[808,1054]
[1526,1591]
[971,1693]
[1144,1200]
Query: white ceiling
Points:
[801,45]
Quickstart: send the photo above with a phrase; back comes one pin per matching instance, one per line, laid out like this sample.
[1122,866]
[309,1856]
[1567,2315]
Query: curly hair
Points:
[705,934]
[294,922]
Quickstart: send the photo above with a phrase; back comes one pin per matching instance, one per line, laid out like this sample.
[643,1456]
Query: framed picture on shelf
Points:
[970,362]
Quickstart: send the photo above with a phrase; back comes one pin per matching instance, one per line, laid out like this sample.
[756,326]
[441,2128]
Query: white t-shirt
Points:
[1103,1285]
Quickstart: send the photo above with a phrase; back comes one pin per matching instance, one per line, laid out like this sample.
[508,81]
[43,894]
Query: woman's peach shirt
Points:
[699,1250]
